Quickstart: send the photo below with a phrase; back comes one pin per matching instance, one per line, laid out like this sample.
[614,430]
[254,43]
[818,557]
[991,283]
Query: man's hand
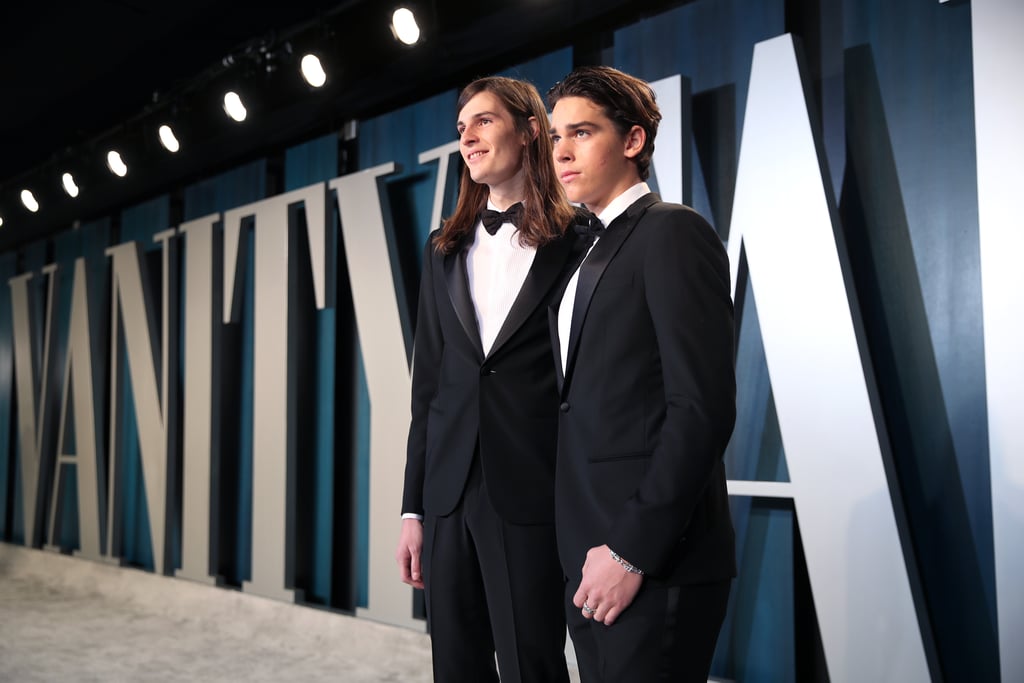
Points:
[607,588]
[410,543]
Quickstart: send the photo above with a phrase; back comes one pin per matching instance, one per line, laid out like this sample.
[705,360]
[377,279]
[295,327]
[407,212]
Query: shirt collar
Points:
[494,207]
[618,205]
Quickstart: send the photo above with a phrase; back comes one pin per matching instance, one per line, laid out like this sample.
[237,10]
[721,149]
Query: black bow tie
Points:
[588,224]
[495,219]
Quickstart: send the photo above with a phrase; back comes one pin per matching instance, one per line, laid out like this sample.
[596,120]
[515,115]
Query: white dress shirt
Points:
[614,209]
[496,266]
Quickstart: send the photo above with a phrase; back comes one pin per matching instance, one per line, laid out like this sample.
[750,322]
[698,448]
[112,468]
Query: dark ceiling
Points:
[71,72]
[78,78]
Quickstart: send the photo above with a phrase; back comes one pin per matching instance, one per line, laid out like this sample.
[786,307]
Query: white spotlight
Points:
[167,139]
[69,185]
[1,221]
[313,71]
[404,26]
[116,164]
[233,106]
[29,200]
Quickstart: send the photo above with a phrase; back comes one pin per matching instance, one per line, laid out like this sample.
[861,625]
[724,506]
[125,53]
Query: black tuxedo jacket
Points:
[648,399]
[506,402]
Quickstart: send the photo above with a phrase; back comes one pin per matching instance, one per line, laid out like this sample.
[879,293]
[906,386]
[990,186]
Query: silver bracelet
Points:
[626,565]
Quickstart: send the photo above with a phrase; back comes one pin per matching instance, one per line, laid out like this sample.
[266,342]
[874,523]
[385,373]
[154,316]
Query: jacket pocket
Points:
[616,457]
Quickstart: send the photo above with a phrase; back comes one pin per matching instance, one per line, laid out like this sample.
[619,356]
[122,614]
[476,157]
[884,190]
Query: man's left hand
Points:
[607,588]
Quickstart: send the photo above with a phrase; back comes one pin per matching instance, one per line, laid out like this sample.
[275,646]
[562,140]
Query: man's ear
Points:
[636,137]
[534,128]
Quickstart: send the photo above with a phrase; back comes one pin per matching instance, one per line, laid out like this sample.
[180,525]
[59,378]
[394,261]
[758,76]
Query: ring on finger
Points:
[587,609]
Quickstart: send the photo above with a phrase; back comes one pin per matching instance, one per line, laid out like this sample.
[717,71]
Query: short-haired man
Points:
[644,331]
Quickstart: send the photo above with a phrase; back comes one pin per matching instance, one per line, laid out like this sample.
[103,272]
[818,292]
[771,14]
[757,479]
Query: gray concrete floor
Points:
[66,619]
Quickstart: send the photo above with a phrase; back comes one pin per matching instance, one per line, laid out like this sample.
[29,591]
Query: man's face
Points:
[489,142]
[592,158]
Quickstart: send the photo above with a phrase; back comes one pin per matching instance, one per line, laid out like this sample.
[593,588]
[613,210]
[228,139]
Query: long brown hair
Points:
[546,211]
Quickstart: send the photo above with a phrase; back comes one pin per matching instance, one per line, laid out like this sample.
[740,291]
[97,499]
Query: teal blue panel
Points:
[544,71]
[67,510]
[909,207]
[756,643]
[234,188]
[401,136]
[228,190]
[138,223]
[755,451]
[136,547]
[317,161]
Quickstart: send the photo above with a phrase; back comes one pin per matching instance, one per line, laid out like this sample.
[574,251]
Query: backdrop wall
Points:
[889,103]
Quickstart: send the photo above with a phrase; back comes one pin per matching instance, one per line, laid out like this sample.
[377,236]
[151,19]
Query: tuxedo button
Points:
[564,407]
[486,371]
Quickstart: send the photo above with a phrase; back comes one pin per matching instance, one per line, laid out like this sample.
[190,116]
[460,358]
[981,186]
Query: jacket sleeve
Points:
[428,348]
[686,278]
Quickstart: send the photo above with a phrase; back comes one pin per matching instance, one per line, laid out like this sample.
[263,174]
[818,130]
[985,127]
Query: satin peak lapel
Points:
[556,347]
[462,302]
[593,268]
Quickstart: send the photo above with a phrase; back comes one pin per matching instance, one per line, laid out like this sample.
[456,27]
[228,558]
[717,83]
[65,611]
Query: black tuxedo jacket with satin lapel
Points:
[649,399]
[508,400]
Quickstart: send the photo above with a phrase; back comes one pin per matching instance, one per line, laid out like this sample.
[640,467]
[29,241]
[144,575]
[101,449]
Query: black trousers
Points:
[492,587]
[668,633]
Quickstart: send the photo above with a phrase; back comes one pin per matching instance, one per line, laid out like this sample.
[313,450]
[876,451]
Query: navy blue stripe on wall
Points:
[320,498]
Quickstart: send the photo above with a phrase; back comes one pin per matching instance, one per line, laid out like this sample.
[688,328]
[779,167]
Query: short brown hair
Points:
[546,211]
[626,100]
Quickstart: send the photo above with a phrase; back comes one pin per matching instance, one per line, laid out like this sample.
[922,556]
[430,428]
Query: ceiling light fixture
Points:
[70,187]
[168,139]
[233,106]
[404,26]
[29,200]
[313,71]
[116,164]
